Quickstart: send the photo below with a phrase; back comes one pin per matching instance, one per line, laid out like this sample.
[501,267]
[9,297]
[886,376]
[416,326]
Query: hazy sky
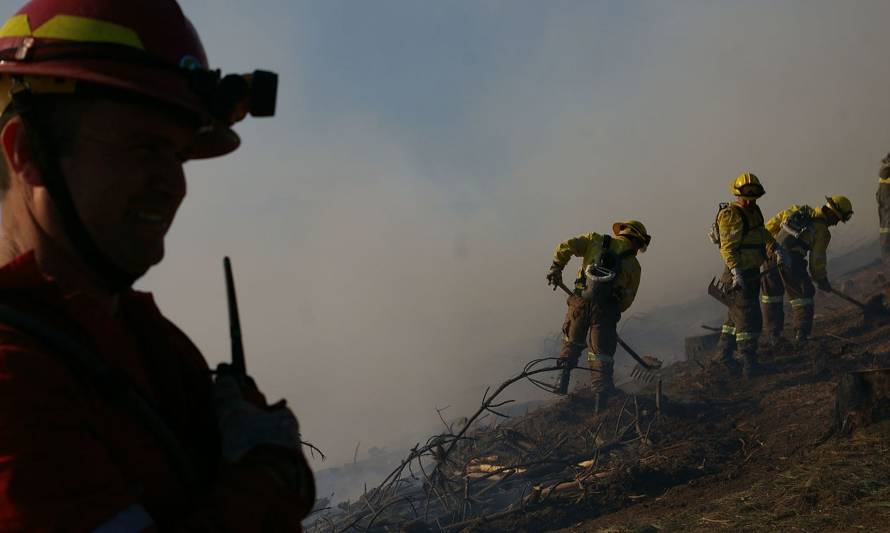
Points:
[392,226]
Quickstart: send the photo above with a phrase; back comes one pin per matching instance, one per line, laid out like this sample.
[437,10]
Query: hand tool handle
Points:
[633,354]
[566,289]
[850,299]
[623,344]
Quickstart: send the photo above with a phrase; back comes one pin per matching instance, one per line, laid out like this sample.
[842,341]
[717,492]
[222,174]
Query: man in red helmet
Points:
[110,419]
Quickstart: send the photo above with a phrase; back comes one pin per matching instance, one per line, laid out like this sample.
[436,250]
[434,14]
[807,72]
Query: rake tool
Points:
[647,367]
[723,293]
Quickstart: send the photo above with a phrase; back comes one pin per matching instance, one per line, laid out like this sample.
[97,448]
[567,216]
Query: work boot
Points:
[723,358]
[750,366]
[729,365]
[601,383]
[803,322]
[726,345]
[777,346]
[800,339]
[565,375]
[601,377]
[773,319]
[601,401]
[775,340]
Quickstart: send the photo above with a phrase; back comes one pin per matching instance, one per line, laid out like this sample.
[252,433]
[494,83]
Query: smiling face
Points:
[125,174]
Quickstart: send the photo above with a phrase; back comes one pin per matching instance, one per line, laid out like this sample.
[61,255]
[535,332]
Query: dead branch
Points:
[444,423]
[438,450]
[620,413]
[313,449]
[487,402]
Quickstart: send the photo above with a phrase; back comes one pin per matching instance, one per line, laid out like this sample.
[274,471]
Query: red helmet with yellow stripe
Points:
[147,47]
[118,49]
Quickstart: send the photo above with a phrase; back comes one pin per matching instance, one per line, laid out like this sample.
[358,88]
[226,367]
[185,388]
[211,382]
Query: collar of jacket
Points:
[23,274]
[622,244]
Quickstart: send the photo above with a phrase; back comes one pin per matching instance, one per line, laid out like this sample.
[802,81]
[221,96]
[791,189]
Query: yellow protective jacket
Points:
[813,241]
[744,241]
[589,247]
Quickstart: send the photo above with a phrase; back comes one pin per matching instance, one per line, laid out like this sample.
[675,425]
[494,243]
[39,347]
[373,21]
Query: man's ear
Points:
[17,154]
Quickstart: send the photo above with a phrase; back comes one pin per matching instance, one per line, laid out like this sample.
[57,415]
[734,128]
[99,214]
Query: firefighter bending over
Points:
[744,243]
[801,230]
[605,287]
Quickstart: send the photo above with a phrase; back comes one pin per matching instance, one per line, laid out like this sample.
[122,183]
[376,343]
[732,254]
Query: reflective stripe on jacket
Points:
[589,247]
[744,241]
[813,241]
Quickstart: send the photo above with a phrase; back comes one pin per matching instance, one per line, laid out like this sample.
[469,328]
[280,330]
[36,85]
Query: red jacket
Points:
[71,460]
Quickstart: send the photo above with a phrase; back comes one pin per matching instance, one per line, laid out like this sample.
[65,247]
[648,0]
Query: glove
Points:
[244,426]
[738,281]
[823,284]
[783,258]
[262,448]
[554,276]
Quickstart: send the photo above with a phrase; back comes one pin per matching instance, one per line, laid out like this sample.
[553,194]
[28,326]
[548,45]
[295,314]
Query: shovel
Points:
[872,308]
[647,366]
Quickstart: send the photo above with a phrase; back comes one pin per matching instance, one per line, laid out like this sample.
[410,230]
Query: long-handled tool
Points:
[647,366]
[723,294]
[873,307]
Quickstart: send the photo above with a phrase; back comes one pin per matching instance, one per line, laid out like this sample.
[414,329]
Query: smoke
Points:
[389,262]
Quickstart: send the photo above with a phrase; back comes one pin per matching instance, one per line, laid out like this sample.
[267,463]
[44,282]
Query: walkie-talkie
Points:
[238,366]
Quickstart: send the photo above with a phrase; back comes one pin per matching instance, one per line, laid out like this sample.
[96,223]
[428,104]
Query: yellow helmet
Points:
[747,186]
[841,206]
[634,229]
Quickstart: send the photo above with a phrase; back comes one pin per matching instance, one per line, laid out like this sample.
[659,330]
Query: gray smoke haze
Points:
[388,263]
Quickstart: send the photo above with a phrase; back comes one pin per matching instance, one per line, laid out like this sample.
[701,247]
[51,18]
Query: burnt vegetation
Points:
[789,450]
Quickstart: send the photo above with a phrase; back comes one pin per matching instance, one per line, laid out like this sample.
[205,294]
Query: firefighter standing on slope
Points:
[744,244]
[109,417]
[883,197]
[801,230]
[596,306]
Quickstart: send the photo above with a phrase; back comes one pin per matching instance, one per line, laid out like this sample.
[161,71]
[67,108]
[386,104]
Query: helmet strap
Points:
[25,104]
[638,243]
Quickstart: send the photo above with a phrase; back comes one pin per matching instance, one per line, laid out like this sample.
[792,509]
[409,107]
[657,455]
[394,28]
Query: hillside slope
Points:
[720,453]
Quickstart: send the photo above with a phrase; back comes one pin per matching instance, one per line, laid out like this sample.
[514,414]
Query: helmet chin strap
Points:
[25,104]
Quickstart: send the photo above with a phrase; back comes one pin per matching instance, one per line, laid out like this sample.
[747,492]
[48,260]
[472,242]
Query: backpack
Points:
[794,227]
[599,277]
[714,234]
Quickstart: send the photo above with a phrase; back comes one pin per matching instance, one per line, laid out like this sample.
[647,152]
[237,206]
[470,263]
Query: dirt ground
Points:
[719,453]
[736,455]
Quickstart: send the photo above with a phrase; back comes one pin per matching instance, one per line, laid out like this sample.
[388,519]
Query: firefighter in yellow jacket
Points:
[605,287]
[744,246]
[802,231]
